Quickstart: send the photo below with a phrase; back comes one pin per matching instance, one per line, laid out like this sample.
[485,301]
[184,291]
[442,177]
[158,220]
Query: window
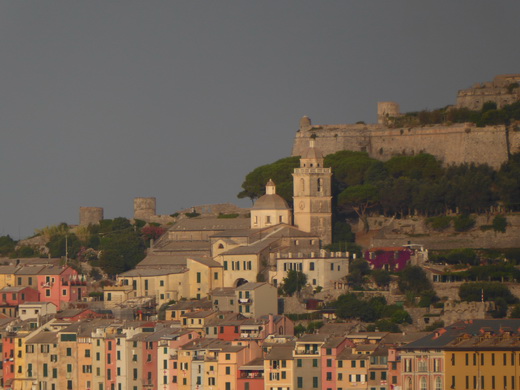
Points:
[215,276]
[353,364]
[161,283]
[423,383]
[329,362]
[299,382]
[228,370]
[315,382]
[228,356]
[298,362]
[47,293]
[69,367]
[87,352]
[198,277]
[64,292]
[69,351]
[311,266]
[315,362]
[329,376]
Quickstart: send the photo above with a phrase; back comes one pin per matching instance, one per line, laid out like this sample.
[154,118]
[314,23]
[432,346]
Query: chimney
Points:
[271,324]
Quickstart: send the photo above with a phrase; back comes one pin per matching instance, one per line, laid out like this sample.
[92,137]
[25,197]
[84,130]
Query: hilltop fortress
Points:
[451,143]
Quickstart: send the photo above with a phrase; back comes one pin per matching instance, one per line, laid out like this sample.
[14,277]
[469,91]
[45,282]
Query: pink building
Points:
[60,284]
[14,296]
[329,354]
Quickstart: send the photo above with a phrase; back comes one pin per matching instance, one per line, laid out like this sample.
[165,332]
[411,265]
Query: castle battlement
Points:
[452,144]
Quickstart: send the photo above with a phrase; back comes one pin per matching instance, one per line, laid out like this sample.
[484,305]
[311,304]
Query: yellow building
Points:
[279,367]
[7,277]
[485,361]
[204,275]
[165,284]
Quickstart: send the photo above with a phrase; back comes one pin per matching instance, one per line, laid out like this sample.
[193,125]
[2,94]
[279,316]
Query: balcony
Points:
[250,335]
[245,301]
[307,352]
[251,375]
[148,383]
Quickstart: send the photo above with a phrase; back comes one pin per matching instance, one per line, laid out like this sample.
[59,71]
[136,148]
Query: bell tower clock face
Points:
[302,205]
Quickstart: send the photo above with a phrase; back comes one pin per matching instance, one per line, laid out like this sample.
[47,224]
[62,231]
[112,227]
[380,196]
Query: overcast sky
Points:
[104,101]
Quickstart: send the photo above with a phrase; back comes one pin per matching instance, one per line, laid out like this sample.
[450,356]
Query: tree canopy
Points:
[280,172]
[293,282]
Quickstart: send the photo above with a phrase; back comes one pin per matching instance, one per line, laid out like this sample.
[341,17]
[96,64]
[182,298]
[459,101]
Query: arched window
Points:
[438,383]
[220,246]
[409,384]
[423,383]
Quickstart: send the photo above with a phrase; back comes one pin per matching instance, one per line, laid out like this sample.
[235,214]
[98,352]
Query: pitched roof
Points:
[206,261]
[211,223]
[250,286]
[153,271]
[443,336]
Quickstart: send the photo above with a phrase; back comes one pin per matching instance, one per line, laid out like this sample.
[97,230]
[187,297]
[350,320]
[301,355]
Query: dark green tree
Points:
[413,279]
[7,245]
[381,277]
[121,251]
[359,198]
[280,172]
[293,282]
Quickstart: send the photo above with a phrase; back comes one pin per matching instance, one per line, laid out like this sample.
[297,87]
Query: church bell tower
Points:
[312,195]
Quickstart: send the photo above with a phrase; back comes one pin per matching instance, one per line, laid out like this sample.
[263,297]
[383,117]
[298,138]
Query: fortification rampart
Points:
[453,144]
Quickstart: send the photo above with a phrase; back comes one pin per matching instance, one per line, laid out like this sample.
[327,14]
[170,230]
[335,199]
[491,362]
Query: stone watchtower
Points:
[144,208]
[386,110]
[312,195]
[90,215]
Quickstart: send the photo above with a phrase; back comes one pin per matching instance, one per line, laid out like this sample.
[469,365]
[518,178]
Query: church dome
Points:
[271,202]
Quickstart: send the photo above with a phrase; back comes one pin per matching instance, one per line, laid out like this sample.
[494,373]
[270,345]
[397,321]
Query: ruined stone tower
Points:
[312,195]
[144,208]
[90,215]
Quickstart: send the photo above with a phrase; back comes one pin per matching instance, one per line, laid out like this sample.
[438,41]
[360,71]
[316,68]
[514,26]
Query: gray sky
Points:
[104,101]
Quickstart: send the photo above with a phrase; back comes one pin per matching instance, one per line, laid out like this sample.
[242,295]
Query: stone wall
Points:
[396,232]
[454,144]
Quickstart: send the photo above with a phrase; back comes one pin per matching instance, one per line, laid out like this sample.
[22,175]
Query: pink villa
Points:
[60,284]
[389,258]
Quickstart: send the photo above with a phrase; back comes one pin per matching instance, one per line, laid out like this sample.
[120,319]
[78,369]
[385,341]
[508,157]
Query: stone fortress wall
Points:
[452,144]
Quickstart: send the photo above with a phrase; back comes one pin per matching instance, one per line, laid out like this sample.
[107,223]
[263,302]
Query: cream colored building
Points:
[165,284]
[256,299]
[324,269]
